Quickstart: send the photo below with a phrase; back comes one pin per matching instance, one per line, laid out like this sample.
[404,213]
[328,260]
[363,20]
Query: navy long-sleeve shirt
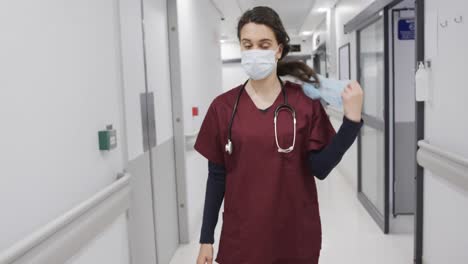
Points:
[320,162]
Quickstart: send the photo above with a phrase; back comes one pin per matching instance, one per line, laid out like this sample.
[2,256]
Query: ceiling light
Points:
[322,10]
[307,33]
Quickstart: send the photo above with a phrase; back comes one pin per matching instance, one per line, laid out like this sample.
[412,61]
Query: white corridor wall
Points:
[200,60]
[60,84]
[445,214]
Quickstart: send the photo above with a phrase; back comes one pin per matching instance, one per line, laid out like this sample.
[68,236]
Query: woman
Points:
[265,170]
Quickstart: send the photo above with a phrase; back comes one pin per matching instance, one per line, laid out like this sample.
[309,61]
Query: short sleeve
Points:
[321,129]
[208,142]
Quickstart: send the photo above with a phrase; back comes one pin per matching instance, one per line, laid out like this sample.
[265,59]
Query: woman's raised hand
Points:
[352,97]
[205,256]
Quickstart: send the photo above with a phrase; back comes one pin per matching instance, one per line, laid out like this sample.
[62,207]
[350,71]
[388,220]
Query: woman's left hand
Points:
[352,97]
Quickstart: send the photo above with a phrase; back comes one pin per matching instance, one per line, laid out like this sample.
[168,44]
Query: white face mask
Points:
[258,63]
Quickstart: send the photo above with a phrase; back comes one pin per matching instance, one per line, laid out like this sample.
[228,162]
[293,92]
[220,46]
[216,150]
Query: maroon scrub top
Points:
[271,212]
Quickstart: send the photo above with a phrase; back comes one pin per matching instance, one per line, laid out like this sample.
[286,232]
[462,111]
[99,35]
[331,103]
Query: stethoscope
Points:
[283,106]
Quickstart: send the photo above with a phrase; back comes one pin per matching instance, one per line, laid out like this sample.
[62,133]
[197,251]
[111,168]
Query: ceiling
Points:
[297,15]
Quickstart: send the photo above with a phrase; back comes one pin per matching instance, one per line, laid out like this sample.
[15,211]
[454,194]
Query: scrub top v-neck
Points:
[271,212]
[264,110]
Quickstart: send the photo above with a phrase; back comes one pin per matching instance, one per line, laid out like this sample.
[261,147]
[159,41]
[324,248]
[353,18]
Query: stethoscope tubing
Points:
[285,105]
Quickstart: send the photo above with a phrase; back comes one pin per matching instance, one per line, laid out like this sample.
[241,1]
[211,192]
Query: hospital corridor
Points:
[233,132]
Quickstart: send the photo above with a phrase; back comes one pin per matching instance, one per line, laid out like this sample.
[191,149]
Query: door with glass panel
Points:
[320,62]
[373,140]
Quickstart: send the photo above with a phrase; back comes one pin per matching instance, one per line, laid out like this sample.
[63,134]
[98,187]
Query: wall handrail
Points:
[190,139]
[64,236]
[443,163]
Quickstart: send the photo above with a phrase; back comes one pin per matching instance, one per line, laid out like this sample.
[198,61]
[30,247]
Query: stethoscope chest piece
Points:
[228,147]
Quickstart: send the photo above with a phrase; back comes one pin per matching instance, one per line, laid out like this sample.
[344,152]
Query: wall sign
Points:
[406,29]
[295,47]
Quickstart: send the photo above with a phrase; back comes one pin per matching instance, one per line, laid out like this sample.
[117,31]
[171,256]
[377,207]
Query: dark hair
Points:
[267,16]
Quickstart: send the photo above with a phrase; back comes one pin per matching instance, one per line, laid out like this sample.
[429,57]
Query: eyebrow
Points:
[262,40]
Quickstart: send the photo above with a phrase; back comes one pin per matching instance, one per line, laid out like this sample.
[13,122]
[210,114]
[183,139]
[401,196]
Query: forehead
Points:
[256,32]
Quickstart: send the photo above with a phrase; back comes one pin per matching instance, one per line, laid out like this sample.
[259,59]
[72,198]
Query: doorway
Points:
[390,33]
[320,60]
[387,143]
[404,141]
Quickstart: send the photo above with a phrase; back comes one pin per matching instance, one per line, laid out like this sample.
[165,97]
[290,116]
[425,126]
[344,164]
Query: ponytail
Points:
[297,69]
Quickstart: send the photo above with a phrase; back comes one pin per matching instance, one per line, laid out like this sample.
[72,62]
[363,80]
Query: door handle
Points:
[148,121]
